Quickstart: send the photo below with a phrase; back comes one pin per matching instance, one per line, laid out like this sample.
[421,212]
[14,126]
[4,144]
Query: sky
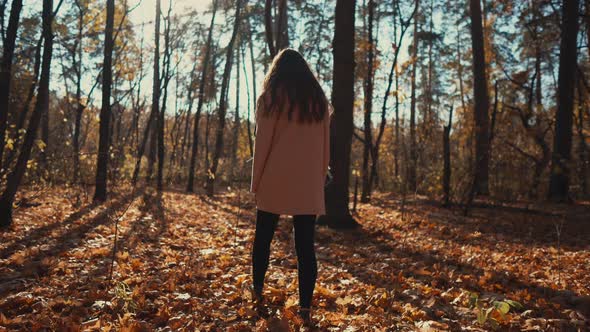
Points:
[147,8]
[144,14]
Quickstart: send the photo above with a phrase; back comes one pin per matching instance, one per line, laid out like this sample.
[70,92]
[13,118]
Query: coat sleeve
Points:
[327,121]
[265,128]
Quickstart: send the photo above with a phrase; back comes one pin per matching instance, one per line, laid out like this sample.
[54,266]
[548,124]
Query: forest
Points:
[459,150]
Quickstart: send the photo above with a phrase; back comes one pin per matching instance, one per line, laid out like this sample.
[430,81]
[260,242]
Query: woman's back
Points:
[290,163]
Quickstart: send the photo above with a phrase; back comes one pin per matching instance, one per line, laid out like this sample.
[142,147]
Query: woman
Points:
[291,155]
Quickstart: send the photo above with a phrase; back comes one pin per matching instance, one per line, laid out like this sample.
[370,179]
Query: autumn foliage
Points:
[183,263]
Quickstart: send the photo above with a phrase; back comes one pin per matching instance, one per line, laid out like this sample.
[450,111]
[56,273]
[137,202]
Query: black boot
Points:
[259,302]
[305,315]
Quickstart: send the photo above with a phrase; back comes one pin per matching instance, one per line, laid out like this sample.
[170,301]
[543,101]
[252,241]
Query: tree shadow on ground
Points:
[528,225]
[435,269]
[144,231]
[40,234]
[517,223]
[75,229]
[141,230]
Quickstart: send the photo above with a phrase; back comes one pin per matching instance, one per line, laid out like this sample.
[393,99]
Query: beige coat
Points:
[290,164]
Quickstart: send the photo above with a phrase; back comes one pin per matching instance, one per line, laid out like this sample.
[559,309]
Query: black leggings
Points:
[304,225]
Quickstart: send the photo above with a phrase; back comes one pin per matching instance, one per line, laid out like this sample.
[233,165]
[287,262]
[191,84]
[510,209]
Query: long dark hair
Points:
[290,84]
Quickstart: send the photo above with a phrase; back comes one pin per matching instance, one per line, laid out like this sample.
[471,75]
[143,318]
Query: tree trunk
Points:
[191,102]
[397,141]
[22,117]
[395,72]
[155,97]
[223,105]
[429,98]
[494,114]
[318,47]
[254,95]
[282,41]
[270,41]
[77,52]
[447,160]
[177,129]
[368,137]
[76,139]
[539,132]
[460,70]
[583,147]
[142,146]
[337,197]
[562,141]
[43,167]
[195,147]
[481,99]
[540,166]
[587,20]
[249,101]
[137,107]
[412,163]
[236,128]
[166,76]
[279,39]
[100,193]
[8,47]
[207,132]
[397,47]
[137,103]
[115,138]
[42,104]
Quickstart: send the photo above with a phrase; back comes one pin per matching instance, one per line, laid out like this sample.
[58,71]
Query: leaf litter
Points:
[183,263]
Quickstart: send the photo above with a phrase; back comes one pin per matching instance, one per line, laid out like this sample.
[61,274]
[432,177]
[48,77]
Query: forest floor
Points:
[183,263]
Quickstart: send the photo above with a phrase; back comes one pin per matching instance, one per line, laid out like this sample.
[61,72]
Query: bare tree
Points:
[100,193]
[254,95]
[195,146]
[412,163]
[447,160]
[341,128]
[368,99]
[8,46]
[42,104]
[279,39]
[211,178]
[162,113]
[562,141]
[236,124]
[481,98]
[153,148]
[76,54]
[404,25]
